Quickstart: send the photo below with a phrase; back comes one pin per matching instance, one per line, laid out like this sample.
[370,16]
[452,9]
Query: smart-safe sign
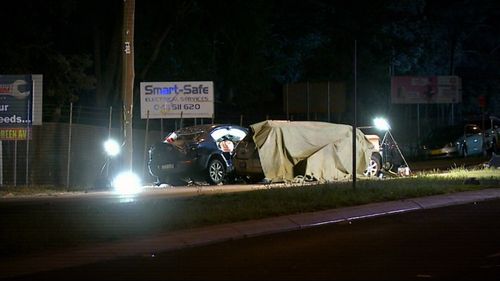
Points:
[176,99]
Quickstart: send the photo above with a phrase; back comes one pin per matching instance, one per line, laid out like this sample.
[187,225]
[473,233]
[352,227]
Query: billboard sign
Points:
[177,99]
[17,106]
[426,89]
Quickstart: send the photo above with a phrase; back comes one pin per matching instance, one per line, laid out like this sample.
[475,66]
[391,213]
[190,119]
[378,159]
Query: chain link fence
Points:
[67,149]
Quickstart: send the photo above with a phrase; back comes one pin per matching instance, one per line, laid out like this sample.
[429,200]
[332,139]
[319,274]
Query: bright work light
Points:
[127,183]
[381,124]
[111,147]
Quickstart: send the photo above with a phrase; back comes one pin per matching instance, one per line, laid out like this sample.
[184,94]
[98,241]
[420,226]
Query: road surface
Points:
[457,242]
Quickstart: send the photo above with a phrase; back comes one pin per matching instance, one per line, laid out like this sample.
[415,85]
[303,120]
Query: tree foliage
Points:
[250,49]
[37,45]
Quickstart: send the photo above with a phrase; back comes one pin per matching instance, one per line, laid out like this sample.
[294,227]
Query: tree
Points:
[35,47]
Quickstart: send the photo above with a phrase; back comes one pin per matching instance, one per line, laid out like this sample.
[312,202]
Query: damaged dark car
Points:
[195,153]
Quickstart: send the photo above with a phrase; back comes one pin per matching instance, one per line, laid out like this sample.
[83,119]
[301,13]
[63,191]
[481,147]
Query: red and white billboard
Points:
[426,89]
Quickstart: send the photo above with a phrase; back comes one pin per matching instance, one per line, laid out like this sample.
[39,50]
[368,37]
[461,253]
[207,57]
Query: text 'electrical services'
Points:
[186,89]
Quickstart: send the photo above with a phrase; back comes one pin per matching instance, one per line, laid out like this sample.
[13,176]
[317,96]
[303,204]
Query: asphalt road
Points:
[456,243]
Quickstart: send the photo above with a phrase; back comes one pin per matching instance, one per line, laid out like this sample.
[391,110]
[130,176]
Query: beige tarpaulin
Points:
[317,149]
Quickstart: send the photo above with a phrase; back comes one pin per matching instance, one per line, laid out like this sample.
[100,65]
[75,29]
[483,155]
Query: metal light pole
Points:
[128,78]
[354,123]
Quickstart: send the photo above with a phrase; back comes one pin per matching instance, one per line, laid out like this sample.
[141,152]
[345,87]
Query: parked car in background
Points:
[441,142]
[493,135]
[195,153]
[474,141]
[463,140]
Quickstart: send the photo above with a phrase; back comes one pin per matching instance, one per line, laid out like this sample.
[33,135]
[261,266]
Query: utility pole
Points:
[128,79]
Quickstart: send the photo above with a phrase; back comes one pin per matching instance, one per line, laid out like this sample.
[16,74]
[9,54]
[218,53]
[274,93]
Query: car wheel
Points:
[373,167]
[159,181]
[215,171]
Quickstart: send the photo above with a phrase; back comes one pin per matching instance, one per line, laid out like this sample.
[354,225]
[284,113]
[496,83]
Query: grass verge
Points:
[16,191]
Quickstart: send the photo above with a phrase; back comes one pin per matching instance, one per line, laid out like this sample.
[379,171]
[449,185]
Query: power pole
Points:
[128,79]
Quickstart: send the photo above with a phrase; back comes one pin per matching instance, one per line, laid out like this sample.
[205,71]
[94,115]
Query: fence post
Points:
[1,163]
[307,97]
[145,145]
[287,107]
[328,102]
[109,121]
[241,120]
[68,166]
[15,163]
[161,128]
[28,134]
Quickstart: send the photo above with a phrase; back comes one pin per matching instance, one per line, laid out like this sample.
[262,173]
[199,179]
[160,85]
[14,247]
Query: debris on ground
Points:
[494,161]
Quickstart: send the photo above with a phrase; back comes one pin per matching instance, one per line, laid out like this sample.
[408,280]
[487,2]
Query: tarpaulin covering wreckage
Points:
[319,150]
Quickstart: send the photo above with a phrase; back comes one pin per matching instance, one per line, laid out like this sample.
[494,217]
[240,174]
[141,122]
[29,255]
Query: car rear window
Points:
[183,136]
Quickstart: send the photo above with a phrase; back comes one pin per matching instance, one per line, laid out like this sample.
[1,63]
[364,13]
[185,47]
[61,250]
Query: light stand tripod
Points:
[403,170]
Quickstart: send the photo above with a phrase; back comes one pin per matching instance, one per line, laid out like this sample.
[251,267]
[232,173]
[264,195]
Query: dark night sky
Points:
[250,49]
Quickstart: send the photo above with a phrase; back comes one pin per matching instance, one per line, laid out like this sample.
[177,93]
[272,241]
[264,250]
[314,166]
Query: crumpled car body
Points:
[195,153]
